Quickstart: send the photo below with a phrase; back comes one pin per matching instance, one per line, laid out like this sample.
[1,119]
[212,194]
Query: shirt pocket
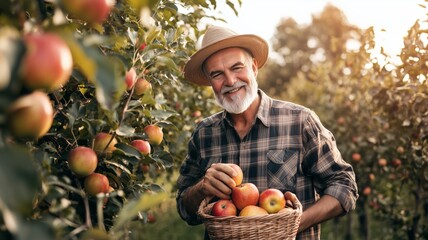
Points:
[282,169]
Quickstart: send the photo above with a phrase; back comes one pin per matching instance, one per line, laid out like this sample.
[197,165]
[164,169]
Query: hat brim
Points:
[256,45]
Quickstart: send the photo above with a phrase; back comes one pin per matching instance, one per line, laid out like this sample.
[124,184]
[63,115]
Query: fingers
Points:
[218,181]
[292,200]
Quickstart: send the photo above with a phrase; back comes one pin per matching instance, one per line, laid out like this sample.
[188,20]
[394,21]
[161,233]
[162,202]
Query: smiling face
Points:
[232,73]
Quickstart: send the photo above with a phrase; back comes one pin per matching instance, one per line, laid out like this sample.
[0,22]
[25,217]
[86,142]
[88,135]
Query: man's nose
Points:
[230,78]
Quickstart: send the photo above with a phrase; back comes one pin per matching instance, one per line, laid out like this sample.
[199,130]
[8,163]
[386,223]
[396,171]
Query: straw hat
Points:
[217,38]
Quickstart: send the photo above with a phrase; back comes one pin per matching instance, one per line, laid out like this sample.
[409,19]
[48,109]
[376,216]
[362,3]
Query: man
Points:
[277,144]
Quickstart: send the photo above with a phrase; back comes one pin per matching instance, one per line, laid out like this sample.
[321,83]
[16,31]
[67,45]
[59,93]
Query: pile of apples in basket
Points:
[246,200]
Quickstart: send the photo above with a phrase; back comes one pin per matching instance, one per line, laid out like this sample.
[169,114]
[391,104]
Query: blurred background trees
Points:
[376,108]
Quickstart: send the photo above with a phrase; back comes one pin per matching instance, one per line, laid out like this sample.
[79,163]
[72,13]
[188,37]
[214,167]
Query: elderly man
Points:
[277,144]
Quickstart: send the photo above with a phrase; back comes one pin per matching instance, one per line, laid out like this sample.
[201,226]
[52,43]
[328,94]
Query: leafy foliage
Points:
[156,37]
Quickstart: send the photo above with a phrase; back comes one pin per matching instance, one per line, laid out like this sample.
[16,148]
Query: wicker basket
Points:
[271,226]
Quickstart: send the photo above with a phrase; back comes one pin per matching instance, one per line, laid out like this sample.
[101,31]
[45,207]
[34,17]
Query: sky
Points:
[395,17]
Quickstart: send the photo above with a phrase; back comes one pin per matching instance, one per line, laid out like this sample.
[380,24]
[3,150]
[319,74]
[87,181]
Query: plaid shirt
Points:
[287,148]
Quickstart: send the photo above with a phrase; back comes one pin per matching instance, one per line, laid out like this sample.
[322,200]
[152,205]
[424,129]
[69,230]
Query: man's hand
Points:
[291,200]
[218,181]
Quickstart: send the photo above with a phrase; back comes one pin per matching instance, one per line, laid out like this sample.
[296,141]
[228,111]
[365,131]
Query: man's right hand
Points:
[218,181]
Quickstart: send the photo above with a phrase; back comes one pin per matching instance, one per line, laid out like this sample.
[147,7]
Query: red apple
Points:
[154,133]
[356,157]
[245,194]
[48,62]
[30,116]
[130,78]
[102,140]
[252,210]
[396,162]
[367,191]
[82,161]
[142,46]
[240,175]
[272,200]
[141,86]
[196,114]
[382,162]
[91,11]
[96,183]
[142,146]
[224,207]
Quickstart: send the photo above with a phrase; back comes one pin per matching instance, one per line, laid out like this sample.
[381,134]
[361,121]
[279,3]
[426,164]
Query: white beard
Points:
[238,104]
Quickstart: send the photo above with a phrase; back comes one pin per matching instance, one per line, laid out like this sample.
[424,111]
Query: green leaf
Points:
[133,207]
[19,179]
[109,82]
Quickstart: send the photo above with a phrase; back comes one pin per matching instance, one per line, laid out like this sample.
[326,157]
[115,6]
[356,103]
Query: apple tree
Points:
[79,82]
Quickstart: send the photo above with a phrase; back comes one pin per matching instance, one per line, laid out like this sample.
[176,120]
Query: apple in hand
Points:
[96,183]
[272,200]
[224,207]
[82,161]
[30,116]
[154,133]
[245,194]
[252,210]
[239,174]
[142,145]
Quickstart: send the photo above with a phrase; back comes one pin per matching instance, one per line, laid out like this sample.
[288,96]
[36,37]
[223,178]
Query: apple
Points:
[367,191]
[356,157]
[154,133]
[382,162]
[101,140]
[91,11]
[240,175]
[47,63]
[30,116]
[82,161]
[400,149]
[272,200]
[252,210]
[142,145]
[142,46]
[130,78]
[141,86]
[151,218]
[224,207]
[396,162]
[144,167]
[96,183]
[245,194]
[196,114]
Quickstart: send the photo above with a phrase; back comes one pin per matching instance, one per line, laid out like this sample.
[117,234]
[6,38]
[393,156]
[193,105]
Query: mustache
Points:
[239,84]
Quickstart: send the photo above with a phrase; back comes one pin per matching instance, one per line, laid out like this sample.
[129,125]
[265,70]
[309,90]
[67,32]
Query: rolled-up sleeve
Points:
[332,174]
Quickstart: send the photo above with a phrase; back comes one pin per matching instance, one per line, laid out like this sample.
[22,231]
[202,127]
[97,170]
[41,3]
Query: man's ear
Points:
[255,66]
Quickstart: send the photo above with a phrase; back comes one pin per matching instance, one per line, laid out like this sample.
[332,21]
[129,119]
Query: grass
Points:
[167,226]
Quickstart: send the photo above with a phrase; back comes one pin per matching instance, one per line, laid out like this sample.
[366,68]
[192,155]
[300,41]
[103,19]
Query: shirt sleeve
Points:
[322,160]
[190,174]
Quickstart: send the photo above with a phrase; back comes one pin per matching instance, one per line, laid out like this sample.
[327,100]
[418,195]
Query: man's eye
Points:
[217,76]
